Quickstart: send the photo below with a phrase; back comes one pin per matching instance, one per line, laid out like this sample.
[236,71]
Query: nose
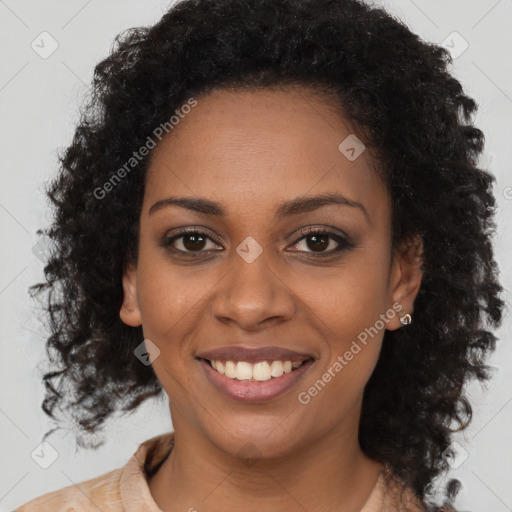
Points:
[252,296]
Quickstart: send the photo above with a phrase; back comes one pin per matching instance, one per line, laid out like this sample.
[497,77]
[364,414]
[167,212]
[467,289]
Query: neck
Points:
[326,473]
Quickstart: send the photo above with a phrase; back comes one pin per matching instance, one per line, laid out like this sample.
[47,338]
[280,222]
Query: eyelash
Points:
[343,242]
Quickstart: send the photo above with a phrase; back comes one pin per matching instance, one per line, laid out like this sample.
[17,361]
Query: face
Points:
[264,265]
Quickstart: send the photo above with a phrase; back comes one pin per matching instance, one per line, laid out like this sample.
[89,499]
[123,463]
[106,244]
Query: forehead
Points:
[260,147]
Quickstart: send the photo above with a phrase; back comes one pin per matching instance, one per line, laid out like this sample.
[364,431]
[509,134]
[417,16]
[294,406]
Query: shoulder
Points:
[101,492]
[112,491]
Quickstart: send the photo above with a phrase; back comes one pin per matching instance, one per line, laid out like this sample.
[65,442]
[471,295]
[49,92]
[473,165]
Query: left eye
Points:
[318,241]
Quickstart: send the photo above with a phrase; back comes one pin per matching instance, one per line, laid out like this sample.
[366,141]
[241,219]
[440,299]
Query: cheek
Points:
[166,306]
[349,308]
[170,296]
[350,298]
[169,303]
[352,351]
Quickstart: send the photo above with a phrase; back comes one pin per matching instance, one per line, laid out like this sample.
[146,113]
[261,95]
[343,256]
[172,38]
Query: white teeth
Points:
[243,370]
[276,369]
[230,370]
[261,371]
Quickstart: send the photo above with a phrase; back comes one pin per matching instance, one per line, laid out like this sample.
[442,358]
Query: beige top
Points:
[126,489]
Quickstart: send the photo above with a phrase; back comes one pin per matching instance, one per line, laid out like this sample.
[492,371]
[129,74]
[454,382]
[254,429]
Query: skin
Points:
[250,150]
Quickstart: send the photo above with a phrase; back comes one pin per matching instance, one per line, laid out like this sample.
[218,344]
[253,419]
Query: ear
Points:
[405,279]
[130,312]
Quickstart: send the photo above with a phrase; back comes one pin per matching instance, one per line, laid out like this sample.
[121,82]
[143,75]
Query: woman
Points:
[264,213]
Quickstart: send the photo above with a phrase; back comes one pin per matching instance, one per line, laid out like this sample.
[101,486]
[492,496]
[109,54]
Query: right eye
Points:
[190,241]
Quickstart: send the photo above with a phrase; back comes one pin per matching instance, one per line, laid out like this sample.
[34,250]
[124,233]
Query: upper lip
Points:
[253,355]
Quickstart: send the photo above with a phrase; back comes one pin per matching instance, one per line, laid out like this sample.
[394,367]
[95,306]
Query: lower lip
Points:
[254,391]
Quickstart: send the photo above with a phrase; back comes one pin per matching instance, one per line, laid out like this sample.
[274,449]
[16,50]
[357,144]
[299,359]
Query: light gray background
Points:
[39,100]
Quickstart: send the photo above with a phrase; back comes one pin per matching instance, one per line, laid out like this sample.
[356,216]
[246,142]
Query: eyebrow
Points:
[284,209]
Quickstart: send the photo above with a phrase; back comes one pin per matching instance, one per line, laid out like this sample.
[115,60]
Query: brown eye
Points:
[317,242]
[193,242]
[322,243]
[190,241]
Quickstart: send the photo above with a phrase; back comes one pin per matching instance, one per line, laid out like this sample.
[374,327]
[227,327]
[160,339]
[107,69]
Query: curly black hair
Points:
[408,109]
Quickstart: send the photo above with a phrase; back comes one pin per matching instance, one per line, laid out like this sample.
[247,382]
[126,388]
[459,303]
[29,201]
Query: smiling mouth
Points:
[261,371]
